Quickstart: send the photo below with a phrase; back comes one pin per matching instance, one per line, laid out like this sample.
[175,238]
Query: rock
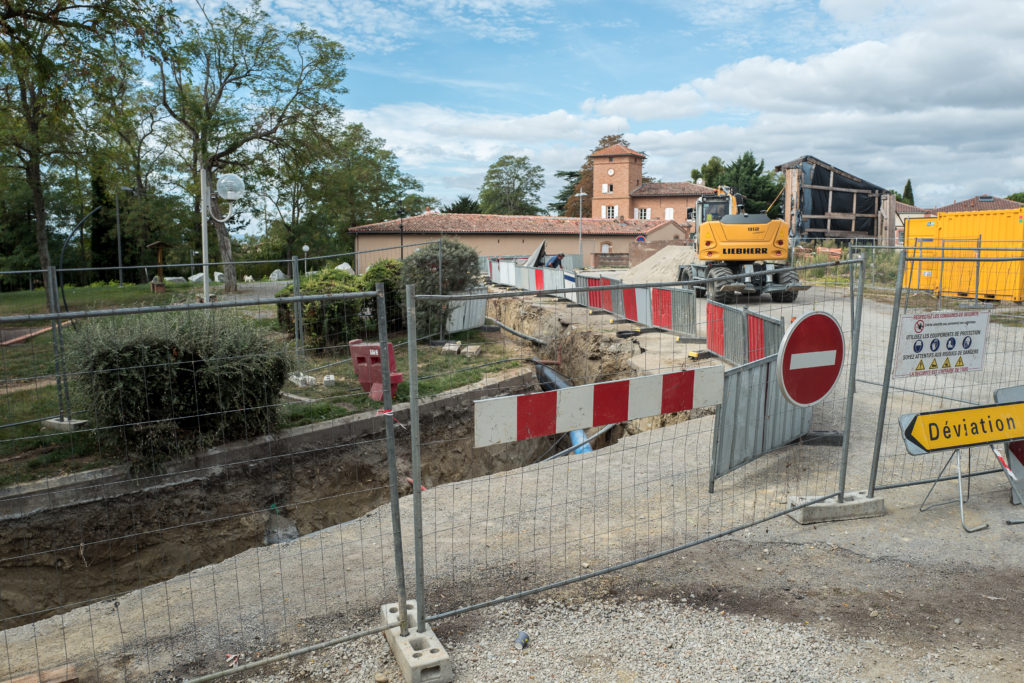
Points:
[381,678]
[175,278]
[472,351]
[198,277]
[277,276]
[329,381]
[218,276]
[345,267]
[279,529]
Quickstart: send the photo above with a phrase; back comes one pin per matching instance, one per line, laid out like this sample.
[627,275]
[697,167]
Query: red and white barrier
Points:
[515,418]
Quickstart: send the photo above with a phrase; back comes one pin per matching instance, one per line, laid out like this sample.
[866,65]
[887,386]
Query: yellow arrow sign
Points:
[944,429]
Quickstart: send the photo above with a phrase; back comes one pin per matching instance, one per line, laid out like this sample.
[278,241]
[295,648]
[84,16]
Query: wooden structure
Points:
[822,201]
[157,285]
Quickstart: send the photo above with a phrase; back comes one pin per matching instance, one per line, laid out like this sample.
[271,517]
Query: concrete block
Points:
[451,347]
[301,380]
[473,350]
[330,380]
[420,656]
[65,424]
[855,505]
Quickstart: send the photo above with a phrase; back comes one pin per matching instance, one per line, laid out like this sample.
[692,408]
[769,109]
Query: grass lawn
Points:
[106,296]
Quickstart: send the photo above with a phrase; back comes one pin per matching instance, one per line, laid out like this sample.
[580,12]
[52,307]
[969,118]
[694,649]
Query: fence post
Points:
[857,305]
[389,431]
[54,305]
[414,437]
[300,342]
[882,404]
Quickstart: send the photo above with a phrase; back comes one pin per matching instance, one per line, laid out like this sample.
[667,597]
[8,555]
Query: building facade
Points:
[619,190]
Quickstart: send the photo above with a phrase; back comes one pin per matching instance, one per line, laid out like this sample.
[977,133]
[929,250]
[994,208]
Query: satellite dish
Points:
[230,187]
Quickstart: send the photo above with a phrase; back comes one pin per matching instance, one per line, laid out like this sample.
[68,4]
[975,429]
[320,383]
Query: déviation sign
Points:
[963,427]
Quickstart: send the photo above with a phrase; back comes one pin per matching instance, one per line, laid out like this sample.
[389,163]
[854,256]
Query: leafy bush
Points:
[328,324]
[389,271]
[162,386]
[459,270]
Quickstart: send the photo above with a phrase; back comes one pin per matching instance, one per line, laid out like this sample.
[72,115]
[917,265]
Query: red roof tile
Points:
[982,203]
[617,151]
[903,207]
[671,190]
[472,223]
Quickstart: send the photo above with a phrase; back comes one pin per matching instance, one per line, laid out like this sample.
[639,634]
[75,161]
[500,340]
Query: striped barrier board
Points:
[515,418]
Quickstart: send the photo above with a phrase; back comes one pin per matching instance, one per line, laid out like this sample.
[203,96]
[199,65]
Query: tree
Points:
[1017,197]
[566,196]
[236,80]
[908,193]
[512,187]
[464,204]
[459,266]
[746,176]
[711,173]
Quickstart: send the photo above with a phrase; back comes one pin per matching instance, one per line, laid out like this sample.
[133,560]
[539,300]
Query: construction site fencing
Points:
[219,515]
[534,513]
[977,332]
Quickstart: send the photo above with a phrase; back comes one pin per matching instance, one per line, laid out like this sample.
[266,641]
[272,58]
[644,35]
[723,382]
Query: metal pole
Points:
[857,304]
[977,273]
[300,342]
[882,404]
[414,436]
[389,430]
[51,295]
[206,249]
[579,200]
[440,285]
[120,262]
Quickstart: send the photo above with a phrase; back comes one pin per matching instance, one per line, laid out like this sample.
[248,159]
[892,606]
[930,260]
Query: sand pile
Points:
[663,266]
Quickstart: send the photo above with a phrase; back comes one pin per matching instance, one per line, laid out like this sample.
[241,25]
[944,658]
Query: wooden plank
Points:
[62,674]
[842,189]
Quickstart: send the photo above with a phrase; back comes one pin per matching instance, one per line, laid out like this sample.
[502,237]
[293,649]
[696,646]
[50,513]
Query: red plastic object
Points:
[366,360]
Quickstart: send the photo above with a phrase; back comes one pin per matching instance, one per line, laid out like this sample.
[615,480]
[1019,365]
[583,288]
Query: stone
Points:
[473,350]
[277,275]
[345,267]
[301,380]
[175,278]
[329,381]
[279,529]
[198,277]
[451,347]
[218,276]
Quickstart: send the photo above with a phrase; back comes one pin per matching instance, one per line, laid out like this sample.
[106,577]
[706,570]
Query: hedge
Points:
[163,386]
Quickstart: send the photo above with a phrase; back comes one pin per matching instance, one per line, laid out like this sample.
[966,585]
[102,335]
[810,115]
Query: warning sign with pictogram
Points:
[941,341]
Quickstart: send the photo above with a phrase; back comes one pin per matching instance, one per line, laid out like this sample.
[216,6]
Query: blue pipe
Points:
[549,380]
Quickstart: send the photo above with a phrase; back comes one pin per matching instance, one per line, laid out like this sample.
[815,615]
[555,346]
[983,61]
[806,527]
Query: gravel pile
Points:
[624,640]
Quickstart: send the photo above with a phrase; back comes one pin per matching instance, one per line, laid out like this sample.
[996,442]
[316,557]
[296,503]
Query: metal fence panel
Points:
[467,314]
[643,306]
[684,311]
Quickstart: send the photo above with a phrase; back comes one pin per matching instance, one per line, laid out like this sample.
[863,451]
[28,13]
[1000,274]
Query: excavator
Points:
[731,242]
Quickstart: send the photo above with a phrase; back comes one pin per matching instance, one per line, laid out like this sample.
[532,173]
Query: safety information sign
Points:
[940,342]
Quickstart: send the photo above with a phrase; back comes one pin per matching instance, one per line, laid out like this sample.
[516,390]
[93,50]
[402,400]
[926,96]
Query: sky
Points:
[926,90]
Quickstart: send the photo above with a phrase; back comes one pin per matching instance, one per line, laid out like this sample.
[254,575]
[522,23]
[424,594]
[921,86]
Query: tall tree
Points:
[566,196]
[746,175]
[512,187]
[236,79]
[908,193]
[464,204]
[711,173]
[50,52]
[1017,197]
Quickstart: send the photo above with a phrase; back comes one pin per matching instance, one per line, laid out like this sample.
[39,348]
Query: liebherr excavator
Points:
[732,242]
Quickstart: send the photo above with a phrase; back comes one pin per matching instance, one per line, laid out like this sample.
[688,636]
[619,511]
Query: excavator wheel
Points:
[715,292]
[687,275]
[787,277]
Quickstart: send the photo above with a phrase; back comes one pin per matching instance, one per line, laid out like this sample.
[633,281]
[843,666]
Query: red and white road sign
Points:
[810,358]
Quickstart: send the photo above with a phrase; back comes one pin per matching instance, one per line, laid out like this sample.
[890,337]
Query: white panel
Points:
[670,213]
[636,213]
[575,408]
[644,396]
[494,420]
[812,359]
[708,385]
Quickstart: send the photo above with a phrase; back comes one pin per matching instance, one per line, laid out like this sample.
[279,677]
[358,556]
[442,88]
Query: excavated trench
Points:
[313,487]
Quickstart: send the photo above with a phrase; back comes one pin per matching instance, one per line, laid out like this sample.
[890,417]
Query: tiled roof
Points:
[983,203]
[617,151]
[902,207]
[473,223]
[671,190]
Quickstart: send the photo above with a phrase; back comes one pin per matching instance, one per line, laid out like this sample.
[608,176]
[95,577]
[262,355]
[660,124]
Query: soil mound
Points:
[663,266]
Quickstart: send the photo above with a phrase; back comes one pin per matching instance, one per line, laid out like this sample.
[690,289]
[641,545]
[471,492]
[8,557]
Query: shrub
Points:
[460,270]
[162,386]
[328,324]
[389,271]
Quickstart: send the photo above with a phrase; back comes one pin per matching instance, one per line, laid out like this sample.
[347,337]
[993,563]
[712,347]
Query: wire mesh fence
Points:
[550,514]
[953,331]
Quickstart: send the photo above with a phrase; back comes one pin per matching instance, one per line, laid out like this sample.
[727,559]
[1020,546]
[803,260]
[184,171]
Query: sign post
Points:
[810,358]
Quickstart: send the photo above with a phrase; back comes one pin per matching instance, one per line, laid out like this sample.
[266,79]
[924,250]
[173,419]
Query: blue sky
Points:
[927,90]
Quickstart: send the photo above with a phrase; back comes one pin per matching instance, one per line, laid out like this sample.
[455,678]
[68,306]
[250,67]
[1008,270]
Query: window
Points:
[611,188]
[606,247]
[611,211]
[643,214]
[604,188]
[689,214]
[670,213]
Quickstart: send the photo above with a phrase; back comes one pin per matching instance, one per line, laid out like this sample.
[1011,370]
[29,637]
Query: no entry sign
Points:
[810,358]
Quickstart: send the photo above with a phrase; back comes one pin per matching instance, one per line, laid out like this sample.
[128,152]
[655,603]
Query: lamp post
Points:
[117,211]
[305,258]
[230,188]
[579,199]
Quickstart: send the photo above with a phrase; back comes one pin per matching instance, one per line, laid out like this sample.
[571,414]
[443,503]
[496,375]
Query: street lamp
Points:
[117,210]
[229,188]
[305,257]
[579,198]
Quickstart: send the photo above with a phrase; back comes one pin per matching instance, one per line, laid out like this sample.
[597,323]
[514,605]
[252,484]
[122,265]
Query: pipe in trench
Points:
[550,379]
